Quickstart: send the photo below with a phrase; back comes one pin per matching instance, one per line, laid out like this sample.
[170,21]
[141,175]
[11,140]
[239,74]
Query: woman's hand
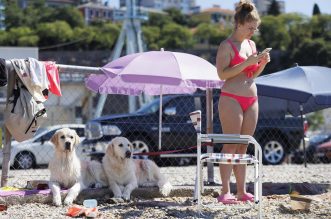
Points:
[253,59]
[265,58]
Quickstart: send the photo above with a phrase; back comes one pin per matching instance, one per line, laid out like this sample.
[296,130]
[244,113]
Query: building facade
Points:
[51,3]
[216,15]
[93,11]
[185,6]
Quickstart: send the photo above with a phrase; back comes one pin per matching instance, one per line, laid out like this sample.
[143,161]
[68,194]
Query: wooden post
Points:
[11,75]
[6,158]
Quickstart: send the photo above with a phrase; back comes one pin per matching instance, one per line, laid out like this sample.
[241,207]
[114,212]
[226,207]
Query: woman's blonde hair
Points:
[246,12]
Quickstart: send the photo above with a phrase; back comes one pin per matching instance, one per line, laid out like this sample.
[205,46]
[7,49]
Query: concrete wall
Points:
[18,52]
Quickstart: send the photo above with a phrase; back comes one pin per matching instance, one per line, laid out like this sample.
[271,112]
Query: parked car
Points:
[277,133]
[323,152]
[37,150]
[316,150]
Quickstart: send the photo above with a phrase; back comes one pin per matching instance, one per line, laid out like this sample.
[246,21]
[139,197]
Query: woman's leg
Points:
[248,128]
[231,117]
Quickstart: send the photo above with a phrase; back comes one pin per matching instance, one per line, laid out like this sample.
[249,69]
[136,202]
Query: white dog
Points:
[68,171]
[125,174]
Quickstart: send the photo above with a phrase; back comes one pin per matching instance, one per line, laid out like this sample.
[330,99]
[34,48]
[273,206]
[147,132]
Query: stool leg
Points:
[260,190]
[202,188]
[256,182]
[198,184]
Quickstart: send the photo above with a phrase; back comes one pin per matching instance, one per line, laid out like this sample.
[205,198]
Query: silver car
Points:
[38,150]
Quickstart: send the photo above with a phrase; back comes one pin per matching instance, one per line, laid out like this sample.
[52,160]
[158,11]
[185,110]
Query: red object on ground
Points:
[3,207]
[76,210]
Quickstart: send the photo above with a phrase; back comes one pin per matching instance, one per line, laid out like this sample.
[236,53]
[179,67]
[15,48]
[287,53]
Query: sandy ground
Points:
[274,206]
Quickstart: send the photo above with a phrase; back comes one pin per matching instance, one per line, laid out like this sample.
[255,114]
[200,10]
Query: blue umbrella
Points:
[306,88]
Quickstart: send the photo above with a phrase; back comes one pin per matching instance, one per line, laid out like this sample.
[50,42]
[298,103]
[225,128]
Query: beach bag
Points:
[23,115]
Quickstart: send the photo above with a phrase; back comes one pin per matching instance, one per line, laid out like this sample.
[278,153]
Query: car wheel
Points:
[273,152]
[24,160]
[140,145]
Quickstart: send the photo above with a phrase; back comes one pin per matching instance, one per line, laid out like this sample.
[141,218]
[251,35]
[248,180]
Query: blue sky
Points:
[301,6]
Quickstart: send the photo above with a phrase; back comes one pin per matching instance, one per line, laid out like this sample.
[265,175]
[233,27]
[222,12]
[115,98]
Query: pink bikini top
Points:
[237,59]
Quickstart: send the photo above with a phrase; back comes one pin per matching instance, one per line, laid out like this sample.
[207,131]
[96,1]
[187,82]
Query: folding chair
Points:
[233,159]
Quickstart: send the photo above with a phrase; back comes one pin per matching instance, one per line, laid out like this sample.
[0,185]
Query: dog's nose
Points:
[67,145]
[128,154]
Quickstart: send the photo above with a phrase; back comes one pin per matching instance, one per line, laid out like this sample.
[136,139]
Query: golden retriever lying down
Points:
[125,174]
[68,171]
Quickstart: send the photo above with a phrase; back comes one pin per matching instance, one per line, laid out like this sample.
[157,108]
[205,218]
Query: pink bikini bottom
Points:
[245,102]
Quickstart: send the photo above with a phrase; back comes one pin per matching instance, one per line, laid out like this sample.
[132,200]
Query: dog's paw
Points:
[117,195]
[166,189]
[115,200]
[126,196]
[57,201]
[68,201]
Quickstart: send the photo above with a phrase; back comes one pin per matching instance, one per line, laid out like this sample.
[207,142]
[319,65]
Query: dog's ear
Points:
[110,148]
[77,139]
[55,139]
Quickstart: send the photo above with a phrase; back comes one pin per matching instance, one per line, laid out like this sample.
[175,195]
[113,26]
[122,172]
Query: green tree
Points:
[105,36]
[157,20]
[219,35]
[14,15]
[52,34]
[22,36]
[312,52]
[210,34]
[274,8]
[69,14]
[315,120]
[83,38]
[37,13]
[151,36]
[316,10]
[3,38]
[321,27]
[273,33]
[298,27]
[174,36]
[177,16]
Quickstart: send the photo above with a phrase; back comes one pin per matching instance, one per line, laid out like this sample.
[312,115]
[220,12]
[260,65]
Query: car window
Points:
[318,138]
[183,105]
[46,137]
[150,107]
[80,132]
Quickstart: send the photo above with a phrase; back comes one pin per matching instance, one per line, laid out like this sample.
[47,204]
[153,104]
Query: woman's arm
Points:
[265,59]
[223,59]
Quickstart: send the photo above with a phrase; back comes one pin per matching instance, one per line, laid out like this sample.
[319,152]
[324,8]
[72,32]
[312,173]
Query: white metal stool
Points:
[233,159]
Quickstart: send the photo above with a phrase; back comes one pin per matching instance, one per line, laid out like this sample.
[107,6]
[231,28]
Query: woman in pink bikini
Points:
[238,64]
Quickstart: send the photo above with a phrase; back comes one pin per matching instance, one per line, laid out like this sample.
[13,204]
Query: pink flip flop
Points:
[247,197]
[227,199]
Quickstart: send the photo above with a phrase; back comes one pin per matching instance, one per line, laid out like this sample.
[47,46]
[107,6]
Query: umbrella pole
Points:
[160,120]
[303,136]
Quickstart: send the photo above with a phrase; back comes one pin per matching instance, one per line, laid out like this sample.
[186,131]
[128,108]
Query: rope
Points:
[156,153]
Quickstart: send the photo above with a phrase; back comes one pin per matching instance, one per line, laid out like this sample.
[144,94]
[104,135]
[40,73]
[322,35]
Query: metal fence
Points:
[279,134]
